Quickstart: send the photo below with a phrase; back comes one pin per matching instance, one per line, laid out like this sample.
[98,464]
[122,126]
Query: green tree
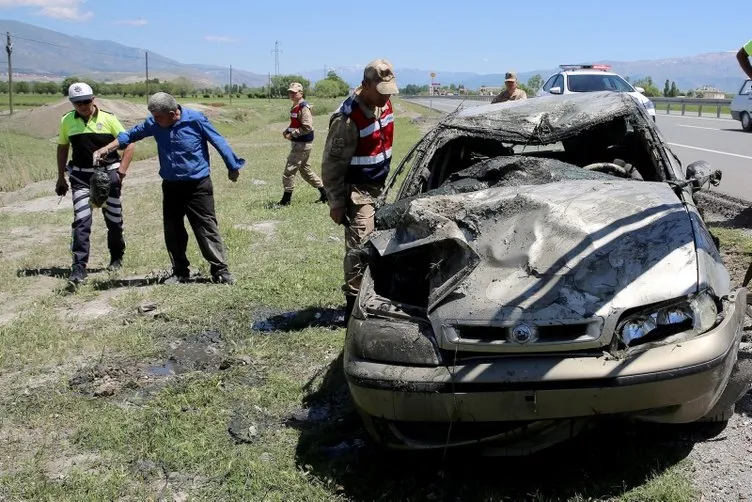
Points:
[534,83]
[327,88]
[650,89]
[21,87]
[280,83]
[182,87]
[674,91]
[666,89]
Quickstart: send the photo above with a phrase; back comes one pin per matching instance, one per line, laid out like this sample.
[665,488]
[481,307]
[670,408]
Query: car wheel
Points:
[723,416]
[746,121]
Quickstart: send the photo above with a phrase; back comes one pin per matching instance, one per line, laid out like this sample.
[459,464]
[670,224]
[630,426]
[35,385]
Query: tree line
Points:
[330,87]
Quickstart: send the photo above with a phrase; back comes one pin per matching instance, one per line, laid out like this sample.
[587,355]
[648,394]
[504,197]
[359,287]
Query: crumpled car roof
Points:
[546,119]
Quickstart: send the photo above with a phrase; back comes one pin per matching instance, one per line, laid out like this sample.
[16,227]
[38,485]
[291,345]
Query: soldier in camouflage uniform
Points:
[512,92]
[300,134]
[356,161]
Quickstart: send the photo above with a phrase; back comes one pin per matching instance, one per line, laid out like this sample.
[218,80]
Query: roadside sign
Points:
[433,75]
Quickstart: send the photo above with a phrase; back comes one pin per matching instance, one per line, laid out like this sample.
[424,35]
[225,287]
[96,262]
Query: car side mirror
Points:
[699,172]
[555,90]
[640,90]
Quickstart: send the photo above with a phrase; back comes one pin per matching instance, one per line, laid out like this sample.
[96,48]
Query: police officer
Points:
[83,130]
[356,162]
[512,92]
[300,134]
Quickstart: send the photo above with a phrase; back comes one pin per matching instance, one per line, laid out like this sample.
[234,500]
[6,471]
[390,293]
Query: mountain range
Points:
[42,54]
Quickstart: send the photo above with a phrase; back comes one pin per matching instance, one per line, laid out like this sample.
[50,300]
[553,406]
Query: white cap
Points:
[80,91]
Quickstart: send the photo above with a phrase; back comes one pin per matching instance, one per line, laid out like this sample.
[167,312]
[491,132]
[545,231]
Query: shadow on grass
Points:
[742,219]
[57,272]
[602,463]
[103,284]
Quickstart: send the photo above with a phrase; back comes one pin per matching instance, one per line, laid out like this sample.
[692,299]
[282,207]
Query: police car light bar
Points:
[604,67]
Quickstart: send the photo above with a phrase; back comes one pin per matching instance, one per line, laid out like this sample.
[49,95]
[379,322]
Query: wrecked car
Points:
[542,264]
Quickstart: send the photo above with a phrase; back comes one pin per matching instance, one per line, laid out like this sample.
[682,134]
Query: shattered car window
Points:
[537,144]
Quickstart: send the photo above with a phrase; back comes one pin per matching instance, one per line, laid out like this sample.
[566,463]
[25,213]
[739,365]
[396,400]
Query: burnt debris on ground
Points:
[298,320]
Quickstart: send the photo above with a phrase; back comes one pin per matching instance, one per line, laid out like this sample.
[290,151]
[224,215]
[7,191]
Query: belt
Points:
[110,167]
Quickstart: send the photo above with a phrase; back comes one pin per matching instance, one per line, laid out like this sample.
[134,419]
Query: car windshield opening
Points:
[593,83]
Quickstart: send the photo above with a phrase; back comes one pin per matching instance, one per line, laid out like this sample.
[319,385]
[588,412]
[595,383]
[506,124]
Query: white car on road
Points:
[591,78]
[741,106]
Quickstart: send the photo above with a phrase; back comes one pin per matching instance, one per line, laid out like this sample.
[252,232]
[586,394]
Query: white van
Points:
[741,106]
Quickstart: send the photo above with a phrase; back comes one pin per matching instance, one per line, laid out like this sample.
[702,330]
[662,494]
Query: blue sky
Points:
[470,35]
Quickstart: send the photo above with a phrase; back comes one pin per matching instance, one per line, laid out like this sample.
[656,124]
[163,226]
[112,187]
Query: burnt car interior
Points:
[615,148]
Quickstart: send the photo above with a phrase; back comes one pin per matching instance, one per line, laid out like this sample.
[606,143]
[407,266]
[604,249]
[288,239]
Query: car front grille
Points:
[517,337]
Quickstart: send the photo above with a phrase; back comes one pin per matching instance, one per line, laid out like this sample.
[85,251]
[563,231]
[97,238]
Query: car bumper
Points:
[674,383]
[736,115]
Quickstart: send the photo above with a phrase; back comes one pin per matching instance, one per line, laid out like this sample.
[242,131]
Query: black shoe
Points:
[322,192]
[115,264]
[285,201]
[175,279]
[223,278]
[77,276]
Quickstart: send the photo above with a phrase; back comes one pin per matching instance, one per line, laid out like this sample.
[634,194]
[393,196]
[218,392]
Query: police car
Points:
[591,78]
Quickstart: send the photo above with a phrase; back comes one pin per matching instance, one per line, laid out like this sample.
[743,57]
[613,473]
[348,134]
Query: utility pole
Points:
[230,84]
[269,93]
[147,75]
[9,50]
[276,53]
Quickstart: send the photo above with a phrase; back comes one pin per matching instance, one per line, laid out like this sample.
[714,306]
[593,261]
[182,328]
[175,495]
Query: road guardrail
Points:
[671,104]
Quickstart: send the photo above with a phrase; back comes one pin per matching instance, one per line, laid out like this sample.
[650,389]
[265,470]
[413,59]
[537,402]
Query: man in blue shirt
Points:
[182,135]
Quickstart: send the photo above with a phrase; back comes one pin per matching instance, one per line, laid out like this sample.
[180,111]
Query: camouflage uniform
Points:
[358,199]
[299,155]
[505,95]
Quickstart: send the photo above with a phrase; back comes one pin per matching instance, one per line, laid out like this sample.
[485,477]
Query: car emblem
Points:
[523,333]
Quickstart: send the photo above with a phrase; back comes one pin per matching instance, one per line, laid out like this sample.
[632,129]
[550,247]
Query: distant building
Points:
[489,90]
[709,92]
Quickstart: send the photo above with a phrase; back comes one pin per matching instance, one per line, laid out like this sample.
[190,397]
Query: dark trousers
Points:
[194,199]
[82,217]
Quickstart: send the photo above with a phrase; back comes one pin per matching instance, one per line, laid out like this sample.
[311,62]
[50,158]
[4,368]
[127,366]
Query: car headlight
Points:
[696,314]
[649,105]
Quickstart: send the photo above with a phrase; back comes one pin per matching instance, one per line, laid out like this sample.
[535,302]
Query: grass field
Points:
[130,391]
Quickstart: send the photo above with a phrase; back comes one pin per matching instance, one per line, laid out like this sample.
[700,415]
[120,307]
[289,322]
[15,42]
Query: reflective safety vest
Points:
[295,123]
[373,153]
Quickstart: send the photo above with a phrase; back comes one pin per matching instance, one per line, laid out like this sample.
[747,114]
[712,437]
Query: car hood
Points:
[557,251]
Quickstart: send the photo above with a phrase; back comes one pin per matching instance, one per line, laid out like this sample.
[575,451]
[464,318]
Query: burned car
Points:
[542,264]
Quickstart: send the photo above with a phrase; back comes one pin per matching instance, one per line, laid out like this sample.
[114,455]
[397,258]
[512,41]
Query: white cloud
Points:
[58,9]
[133,22]
[225,40]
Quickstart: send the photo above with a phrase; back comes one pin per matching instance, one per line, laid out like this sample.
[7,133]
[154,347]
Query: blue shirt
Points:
[183,150]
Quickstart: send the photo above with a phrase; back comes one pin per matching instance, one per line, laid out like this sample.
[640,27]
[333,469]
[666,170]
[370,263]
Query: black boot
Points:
[349,307]
[323,195]
[285,201]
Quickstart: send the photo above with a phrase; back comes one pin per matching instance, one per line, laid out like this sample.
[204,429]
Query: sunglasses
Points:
[84,102]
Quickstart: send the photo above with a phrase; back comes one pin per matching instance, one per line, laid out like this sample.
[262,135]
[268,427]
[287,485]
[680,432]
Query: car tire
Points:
[715,417]
[746,121]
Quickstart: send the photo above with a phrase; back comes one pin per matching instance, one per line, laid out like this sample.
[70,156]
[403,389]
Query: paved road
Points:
[721,142]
